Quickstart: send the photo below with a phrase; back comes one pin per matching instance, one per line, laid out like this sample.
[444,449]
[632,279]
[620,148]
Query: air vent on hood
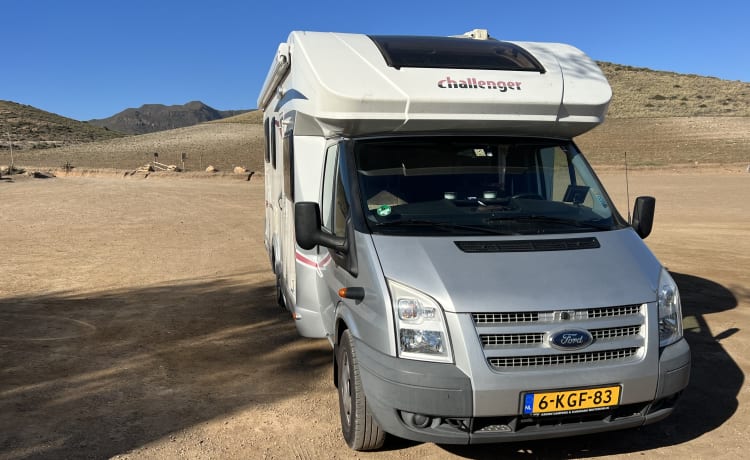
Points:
[567,244]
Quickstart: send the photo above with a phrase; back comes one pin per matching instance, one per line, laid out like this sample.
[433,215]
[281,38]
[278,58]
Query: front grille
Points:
[501,363]
[497,340]
[500,318]
[613,311]
[514,341]
[551,316]
[615,332]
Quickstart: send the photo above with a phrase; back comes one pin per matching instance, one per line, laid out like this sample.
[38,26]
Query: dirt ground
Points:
[137,320]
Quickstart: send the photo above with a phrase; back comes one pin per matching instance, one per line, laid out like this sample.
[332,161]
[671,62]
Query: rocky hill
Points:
[30,128]
[640,92]
[151,118]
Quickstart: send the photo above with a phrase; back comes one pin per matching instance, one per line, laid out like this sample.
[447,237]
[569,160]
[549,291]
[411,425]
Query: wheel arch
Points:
[339,329]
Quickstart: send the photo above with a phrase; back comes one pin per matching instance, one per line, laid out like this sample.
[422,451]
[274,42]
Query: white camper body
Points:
[340,86]
[368,138]
[344,85]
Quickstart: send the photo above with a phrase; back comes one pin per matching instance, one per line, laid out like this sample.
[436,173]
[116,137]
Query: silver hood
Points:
[622,271]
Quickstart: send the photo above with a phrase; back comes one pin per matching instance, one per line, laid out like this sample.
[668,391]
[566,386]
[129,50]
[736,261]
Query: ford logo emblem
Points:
[570,339]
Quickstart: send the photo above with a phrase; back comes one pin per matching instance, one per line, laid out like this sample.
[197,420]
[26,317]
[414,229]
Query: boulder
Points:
[5,169]
[211,169]
[240,170]
[40,175]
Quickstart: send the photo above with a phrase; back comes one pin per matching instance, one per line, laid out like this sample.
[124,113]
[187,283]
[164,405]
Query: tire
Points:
[280,294]
[360,430]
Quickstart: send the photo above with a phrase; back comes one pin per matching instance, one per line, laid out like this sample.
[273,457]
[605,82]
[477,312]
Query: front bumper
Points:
[434,402]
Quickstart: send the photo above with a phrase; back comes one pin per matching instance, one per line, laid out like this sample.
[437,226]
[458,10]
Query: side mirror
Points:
[308,231]
[643,215]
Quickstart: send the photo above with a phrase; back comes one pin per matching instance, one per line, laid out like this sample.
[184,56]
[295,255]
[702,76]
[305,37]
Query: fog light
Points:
[416,420]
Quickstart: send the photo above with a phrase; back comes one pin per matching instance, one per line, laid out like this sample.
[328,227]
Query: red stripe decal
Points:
[304,260]
[311,263]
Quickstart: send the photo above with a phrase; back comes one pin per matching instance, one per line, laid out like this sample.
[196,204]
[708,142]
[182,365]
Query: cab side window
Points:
[341,208]
[334,205]
[329,184]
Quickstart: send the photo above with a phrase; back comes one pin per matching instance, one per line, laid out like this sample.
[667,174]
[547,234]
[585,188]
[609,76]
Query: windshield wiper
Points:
[447,226]
[552,220]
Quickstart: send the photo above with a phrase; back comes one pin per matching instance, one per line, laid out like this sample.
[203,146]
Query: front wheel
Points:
[279,294]
[360,429]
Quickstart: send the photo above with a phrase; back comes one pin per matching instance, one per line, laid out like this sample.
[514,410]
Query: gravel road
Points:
[137,320]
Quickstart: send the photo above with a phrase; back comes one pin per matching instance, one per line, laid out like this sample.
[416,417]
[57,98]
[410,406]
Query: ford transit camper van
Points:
[428,212]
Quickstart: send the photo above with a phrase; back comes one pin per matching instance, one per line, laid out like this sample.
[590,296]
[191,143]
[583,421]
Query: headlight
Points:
[420,325]
[670,310]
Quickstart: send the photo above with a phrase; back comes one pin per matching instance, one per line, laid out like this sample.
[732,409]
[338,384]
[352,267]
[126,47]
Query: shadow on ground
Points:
[100,375]
[104,374]
[708,402]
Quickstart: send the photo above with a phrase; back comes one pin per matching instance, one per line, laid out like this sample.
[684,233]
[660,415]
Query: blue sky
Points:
[91,59]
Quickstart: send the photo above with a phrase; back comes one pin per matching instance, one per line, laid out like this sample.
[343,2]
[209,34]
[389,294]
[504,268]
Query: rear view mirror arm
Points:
[308,230]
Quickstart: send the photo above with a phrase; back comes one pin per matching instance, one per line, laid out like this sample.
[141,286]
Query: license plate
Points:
[570,401]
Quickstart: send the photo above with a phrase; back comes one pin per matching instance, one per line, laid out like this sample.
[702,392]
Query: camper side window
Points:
[329,176]
[268,140]
[272,142]
[289,164]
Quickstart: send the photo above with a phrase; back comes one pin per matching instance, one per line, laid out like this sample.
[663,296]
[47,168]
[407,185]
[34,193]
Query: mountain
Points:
[151,118]
[32,128]
[650,110]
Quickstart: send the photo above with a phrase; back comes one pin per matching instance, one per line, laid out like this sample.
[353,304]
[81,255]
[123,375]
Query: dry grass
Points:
[223,145]
[639,92]
[647,141]
[31,128]
[669,141]
[252,117]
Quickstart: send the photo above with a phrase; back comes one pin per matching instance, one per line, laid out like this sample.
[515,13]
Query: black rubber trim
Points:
[454,53]
[566,244]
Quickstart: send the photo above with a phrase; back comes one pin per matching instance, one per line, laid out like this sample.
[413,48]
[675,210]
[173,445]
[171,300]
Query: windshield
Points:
[479,185]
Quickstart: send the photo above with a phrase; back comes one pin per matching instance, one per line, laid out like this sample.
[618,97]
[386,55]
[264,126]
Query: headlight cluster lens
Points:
[420,325]
[670,310]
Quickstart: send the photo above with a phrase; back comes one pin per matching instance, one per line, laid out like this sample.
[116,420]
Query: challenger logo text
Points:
[473,83]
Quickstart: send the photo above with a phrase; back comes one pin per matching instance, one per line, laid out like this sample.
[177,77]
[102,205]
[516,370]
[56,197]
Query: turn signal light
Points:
[354,293]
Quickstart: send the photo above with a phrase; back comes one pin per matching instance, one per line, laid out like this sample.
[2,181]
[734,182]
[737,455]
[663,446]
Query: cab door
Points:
[333,209]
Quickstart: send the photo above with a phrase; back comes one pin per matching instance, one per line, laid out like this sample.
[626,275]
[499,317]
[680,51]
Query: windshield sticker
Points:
[384,210]
[601,200]
[473,83]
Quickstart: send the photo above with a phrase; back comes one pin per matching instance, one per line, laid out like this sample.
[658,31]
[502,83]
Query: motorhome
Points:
[428,212]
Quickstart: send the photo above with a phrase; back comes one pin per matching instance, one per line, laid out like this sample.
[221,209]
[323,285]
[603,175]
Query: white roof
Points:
[342,84]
